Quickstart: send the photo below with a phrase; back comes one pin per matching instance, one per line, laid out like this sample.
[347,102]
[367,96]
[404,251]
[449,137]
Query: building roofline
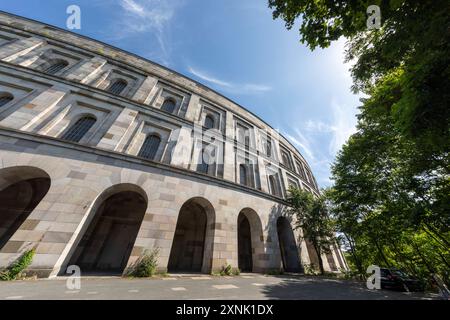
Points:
[151,62]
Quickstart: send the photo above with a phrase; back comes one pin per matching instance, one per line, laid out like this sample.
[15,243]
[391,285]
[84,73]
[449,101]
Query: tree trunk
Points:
[434,231]
[355,256]
[380,251]
[319,256]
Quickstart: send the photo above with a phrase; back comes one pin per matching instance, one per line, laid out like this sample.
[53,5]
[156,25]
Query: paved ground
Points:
[247,286]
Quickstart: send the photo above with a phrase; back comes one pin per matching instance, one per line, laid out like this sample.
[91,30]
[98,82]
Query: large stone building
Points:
[104,154]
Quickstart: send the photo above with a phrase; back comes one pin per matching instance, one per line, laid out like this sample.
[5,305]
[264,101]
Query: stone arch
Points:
[250,241]
[288,246]
[22,188]
[106,235]
[193,242]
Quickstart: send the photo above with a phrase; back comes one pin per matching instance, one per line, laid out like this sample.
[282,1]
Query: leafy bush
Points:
[310,269]
[17,267]
[236,271]
[227,270]
[146,264]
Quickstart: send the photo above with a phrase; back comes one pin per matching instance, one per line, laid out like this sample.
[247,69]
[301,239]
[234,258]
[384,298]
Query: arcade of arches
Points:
[107,239]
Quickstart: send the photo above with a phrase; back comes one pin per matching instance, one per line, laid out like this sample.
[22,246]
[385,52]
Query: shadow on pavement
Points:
[307,288]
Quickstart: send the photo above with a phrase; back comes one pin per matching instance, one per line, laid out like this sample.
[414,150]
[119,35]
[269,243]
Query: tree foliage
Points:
[312,218]
[391,197]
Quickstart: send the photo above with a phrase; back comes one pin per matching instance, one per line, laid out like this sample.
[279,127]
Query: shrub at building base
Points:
[146,265]
[15,270]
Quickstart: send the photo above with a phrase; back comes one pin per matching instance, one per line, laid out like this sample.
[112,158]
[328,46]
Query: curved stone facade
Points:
[107,154]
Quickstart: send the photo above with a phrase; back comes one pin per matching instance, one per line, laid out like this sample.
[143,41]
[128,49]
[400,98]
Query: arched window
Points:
[79,129]
[209,122]
[5,98]
[56,67]
[243,175]
[117,86]
[273,185]
[269,148]
[168,105]
[150,147]
[286,160]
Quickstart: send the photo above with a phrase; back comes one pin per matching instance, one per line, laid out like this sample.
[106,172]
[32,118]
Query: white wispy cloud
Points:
[343,125]
[208,78]
[149,17]
[300,141]
[310,136]
[227,86]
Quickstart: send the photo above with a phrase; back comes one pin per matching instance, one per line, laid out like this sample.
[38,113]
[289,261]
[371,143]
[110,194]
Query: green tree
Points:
[414,36]
[391,196]
[311,216]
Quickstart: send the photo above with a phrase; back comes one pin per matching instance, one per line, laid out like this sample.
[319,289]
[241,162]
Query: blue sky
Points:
[236,48]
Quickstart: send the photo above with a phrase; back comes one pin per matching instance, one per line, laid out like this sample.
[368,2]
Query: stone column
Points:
[193,109]
[142,95]
[87,71]
[19,48]
[335,258]
[230,156]
[263,174]
[118,131]
[181,155]
[30,115]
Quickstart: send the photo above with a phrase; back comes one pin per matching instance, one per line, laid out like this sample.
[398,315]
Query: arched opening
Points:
[245,261]
[77,131]
[117,86]
[288,247]
[108,241]
[168,105]
[250,241]
[56,67]
[192,245]
[21,190]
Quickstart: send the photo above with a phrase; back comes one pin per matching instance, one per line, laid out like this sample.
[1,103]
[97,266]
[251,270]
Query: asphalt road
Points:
[201,287]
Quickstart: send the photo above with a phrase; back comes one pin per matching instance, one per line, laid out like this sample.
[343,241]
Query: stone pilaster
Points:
[142,94]
[263,174]
[193,109]
[229,157]
[117,132]
[87,71]
[30,115]
[20,47]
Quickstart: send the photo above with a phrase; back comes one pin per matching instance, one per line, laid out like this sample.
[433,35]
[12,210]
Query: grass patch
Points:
[227,270]
[16,269]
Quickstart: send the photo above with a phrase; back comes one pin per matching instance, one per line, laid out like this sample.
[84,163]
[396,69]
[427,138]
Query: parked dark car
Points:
[398,280]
